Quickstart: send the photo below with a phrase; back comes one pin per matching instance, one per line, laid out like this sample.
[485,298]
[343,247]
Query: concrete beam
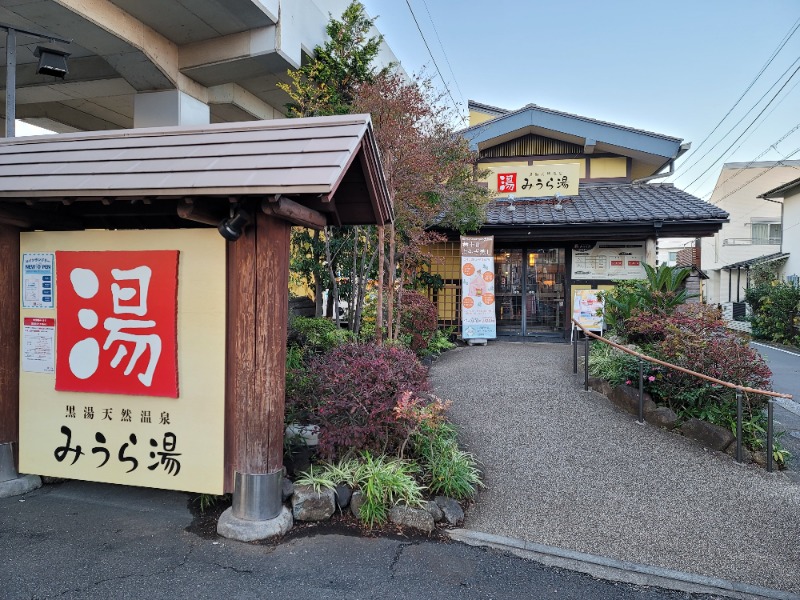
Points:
[240,98]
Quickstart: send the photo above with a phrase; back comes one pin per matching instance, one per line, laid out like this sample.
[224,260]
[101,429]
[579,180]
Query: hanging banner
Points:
[477,288]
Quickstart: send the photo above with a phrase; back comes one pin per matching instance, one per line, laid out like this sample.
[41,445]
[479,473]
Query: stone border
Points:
[619,570]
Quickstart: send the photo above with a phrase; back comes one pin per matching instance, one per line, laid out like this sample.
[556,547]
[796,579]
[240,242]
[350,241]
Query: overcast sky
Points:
[674,68]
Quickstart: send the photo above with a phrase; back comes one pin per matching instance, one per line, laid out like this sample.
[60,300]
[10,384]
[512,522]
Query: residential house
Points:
[753,233]
[789,196]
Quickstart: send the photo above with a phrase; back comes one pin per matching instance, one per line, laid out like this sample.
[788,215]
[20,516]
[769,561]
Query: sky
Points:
[673,68]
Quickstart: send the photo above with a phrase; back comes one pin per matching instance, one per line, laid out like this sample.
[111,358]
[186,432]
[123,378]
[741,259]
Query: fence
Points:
[588,335]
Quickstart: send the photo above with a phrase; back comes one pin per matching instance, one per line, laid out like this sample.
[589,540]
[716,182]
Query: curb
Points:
[603,567]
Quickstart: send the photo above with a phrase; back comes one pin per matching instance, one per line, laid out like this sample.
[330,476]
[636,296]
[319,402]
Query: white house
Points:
[754,230]
[789,195]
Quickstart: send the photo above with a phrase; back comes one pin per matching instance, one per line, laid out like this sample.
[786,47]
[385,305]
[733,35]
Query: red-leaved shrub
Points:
[356,388]
[418,319]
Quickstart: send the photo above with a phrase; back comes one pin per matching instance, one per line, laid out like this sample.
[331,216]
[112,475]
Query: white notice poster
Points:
[38,345]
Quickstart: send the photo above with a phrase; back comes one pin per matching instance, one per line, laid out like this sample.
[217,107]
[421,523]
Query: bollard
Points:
[770,433]
[641,391]
[575,354]
[738,425]
[586,367]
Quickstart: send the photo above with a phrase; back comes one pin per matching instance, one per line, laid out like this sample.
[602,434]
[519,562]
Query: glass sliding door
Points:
[544,291]
[508,291]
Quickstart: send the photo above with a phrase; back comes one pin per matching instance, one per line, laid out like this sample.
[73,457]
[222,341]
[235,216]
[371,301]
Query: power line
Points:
[785,40]
[764,172]
[441,46]
[724,152]
[752,162]
[422,35]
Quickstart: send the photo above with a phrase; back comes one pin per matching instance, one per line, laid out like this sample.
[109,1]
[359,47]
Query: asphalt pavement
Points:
[564,468]
[79,540]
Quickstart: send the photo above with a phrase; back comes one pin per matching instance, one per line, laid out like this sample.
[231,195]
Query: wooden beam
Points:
[280,206]
[258,280]
[9,331]
[202,211]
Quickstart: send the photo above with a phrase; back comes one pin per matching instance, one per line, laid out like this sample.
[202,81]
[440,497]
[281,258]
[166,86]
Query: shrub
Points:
[775,308]
[356,388]
[418,319]
[610,364]
[315,335]
[383,481]
[446,469]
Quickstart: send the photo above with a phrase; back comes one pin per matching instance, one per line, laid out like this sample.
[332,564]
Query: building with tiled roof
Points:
[576,205]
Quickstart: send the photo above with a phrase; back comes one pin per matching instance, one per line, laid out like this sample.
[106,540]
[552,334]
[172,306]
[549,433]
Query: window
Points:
[766,233]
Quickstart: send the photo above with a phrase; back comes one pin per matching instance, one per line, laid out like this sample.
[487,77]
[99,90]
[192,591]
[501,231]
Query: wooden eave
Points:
[138,178]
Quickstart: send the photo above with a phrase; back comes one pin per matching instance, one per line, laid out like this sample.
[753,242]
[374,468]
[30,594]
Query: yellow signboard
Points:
[162,440]
[535,181]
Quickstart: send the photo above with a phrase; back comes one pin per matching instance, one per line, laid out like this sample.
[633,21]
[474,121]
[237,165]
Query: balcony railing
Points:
[773,241]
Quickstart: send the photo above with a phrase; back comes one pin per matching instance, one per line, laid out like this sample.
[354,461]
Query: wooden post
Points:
[379,302]
[9,350]
[258,281]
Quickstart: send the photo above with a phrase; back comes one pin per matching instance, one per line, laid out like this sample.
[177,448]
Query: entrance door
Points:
[529,290]
[509,279]
[544,292]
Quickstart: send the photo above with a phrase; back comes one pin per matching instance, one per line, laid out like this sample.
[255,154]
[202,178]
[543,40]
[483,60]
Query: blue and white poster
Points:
[37,280]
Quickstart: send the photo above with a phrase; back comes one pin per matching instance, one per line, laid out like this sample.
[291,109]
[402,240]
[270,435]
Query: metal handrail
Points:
[642,357]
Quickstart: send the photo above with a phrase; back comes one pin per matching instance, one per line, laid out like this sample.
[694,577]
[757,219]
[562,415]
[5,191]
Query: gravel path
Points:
[565,468]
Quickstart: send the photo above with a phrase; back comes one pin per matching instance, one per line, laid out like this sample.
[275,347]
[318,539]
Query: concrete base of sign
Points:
[477,342]
[249,531]
[19,486]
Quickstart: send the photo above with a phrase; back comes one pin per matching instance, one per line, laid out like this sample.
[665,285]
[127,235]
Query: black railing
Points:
[588,335]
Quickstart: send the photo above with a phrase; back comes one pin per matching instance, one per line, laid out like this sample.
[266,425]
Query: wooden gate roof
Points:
[140,177]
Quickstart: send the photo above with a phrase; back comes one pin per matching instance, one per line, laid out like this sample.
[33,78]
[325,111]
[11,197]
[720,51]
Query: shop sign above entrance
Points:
[535,181]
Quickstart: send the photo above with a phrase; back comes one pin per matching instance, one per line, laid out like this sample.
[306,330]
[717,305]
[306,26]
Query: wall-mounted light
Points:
[52,61]
[558,205]
[233,228]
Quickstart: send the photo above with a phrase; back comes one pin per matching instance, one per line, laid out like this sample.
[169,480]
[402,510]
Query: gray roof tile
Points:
[607,204]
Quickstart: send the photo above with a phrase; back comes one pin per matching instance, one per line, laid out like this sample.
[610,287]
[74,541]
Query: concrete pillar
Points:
[170,107]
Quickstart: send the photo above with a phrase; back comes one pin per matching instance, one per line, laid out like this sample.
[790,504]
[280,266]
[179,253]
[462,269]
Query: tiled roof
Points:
[607,204]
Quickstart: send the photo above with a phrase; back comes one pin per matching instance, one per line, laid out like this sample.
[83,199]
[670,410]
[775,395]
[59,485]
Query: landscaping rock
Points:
[452,510]
[310,505]
[627,398]
[600,385]
[356,500]
[343,494]
[710,435]
[760,458]
[662,416]
[287,489]
[415,518]
[435,511]
[747,456]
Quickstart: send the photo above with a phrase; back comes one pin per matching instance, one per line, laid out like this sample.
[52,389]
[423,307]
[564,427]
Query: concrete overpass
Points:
[144,63]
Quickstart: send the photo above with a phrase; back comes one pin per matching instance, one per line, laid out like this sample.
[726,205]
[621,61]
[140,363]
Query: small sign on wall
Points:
[38,345]
[38,280]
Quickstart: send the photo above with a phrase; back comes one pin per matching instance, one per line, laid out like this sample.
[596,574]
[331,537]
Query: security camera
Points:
[232,228]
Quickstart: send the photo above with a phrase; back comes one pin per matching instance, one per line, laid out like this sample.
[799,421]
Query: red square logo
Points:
[117,318]
[506,182]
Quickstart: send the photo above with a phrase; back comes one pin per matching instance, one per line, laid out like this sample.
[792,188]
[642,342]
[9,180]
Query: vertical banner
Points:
[477,288]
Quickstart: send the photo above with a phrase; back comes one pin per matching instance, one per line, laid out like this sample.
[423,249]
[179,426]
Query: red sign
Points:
[616,263]
[506,182]
[38,322]
[634,263]
[117,315]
